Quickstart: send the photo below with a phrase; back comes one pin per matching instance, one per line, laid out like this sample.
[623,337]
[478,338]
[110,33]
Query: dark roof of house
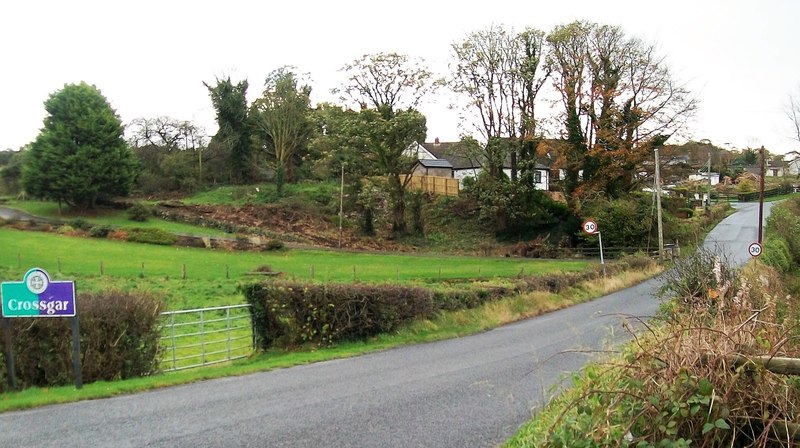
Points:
[435,163]
[448,151]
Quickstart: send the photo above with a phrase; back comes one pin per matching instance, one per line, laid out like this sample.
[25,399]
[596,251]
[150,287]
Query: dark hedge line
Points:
[291,313]
[119,333]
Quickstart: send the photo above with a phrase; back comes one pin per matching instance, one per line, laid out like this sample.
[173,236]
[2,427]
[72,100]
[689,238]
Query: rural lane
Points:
[468,392]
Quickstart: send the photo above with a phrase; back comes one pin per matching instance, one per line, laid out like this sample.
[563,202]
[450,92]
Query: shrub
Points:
[461,298]
[777,254]
[67,230]
[677,385]
[139,212]
[784,222]
[100,231]
[293,313]
[274,245]
[151,236]
[119,334]
[80,224]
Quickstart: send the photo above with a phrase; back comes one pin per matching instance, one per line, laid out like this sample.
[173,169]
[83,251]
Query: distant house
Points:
[706,177]
[464,166]
[792,159]
[433,167]
[775,170]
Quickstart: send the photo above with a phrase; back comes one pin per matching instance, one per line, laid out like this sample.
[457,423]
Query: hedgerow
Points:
[290,313]
[119,334]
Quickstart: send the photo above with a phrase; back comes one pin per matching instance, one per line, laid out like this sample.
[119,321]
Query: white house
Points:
[714,177]
[792,159]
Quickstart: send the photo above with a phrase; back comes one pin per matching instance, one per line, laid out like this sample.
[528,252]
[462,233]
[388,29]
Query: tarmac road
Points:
[468,392]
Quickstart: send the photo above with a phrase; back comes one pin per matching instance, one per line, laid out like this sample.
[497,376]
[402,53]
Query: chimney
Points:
[436,141]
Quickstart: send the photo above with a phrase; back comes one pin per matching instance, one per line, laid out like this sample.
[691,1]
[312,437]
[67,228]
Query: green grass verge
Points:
[447,325]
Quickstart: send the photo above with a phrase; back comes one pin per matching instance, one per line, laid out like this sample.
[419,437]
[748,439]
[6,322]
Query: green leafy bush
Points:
[139,212]
[100,231]
[119,334]
[777,254]
[80,224]
[151,236]
[784,222]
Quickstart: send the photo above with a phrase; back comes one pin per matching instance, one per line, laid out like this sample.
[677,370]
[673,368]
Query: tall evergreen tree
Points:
[80,155]
[233,136]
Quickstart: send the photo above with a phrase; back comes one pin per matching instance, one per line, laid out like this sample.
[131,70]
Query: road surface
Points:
[468,392]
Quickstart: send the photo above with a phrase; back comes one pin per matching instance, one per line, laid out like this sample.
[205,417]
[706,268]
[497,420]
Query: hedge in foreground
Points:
[296,313]
[119,333]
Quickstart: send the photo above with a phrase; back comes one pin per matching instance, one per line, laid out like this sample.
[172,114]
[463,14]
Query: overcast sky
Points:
[741,59]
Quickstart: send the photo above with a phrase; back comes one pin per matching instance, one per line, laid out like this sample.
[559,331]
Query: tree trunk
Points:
[397,194]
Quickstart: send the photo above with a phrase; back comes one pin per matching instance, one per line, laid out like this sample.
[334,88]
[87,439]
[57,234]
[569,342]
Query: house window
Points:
[537,177]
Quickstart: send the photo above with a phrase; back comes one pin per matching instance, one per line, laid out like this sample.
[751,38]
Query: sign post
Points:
[38,296]
[590,228]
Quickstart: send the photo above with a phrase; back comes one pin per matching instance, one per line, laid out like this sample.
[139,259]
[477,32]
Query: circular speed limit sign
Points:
[754,250]
[590,227]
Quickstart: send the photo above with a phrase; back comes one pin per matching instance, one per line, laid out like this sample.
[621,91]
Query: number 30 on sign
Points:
[590,227]
[754,249]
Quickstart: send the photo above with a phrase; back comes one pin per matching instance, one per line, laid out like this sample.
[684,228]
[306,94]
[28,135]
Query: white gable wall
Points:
[418,152]
[543,184]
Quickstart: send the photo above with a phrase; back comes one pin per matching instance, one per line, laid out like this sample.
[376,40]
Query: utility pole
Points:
[707,202]
[341,207]
[761,197]
[658,209]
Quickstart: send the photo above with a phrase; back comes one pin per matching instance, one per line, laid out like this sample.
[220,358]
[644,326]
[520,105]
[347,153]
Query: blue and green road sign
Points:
[38,296]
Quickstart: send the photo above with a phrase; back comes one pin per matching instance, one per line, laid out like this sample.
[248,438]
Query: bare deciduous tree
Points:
[166,132]
[498,71]
[386,80]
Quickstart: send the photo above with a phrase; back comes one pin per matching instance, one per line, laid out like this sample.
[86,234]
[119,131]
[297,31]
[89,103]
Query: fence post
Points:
[101,268]
[183,271]
[172,337]
[228,332]
[202,338]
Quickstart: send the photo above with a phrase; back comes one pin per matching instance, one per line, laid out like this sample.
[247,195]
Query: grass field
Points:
[211,276]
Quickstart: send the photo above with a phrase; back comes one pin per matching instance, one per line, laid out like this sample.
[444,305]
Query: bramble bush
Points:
[676,384]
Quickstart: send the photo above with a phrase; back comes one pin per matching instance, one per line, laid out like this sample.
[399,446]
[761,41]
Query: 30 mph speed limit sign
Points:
[754,249]
[590,227]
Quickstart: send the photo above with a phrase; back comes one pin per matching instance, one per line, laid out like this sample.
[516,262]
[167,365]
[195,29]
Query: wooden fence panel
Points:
[444,186]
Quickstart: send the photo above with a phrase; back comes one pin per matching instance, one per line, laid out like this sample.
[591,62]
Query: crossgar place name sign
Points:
[37,296]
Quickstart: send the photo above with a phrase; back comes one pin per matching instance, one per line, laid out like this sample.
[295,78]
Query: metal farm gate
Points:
[200,337]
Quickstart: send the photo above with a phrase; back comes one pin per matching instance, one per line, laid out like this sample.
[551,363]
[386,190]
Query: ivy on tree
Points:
[80,155]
